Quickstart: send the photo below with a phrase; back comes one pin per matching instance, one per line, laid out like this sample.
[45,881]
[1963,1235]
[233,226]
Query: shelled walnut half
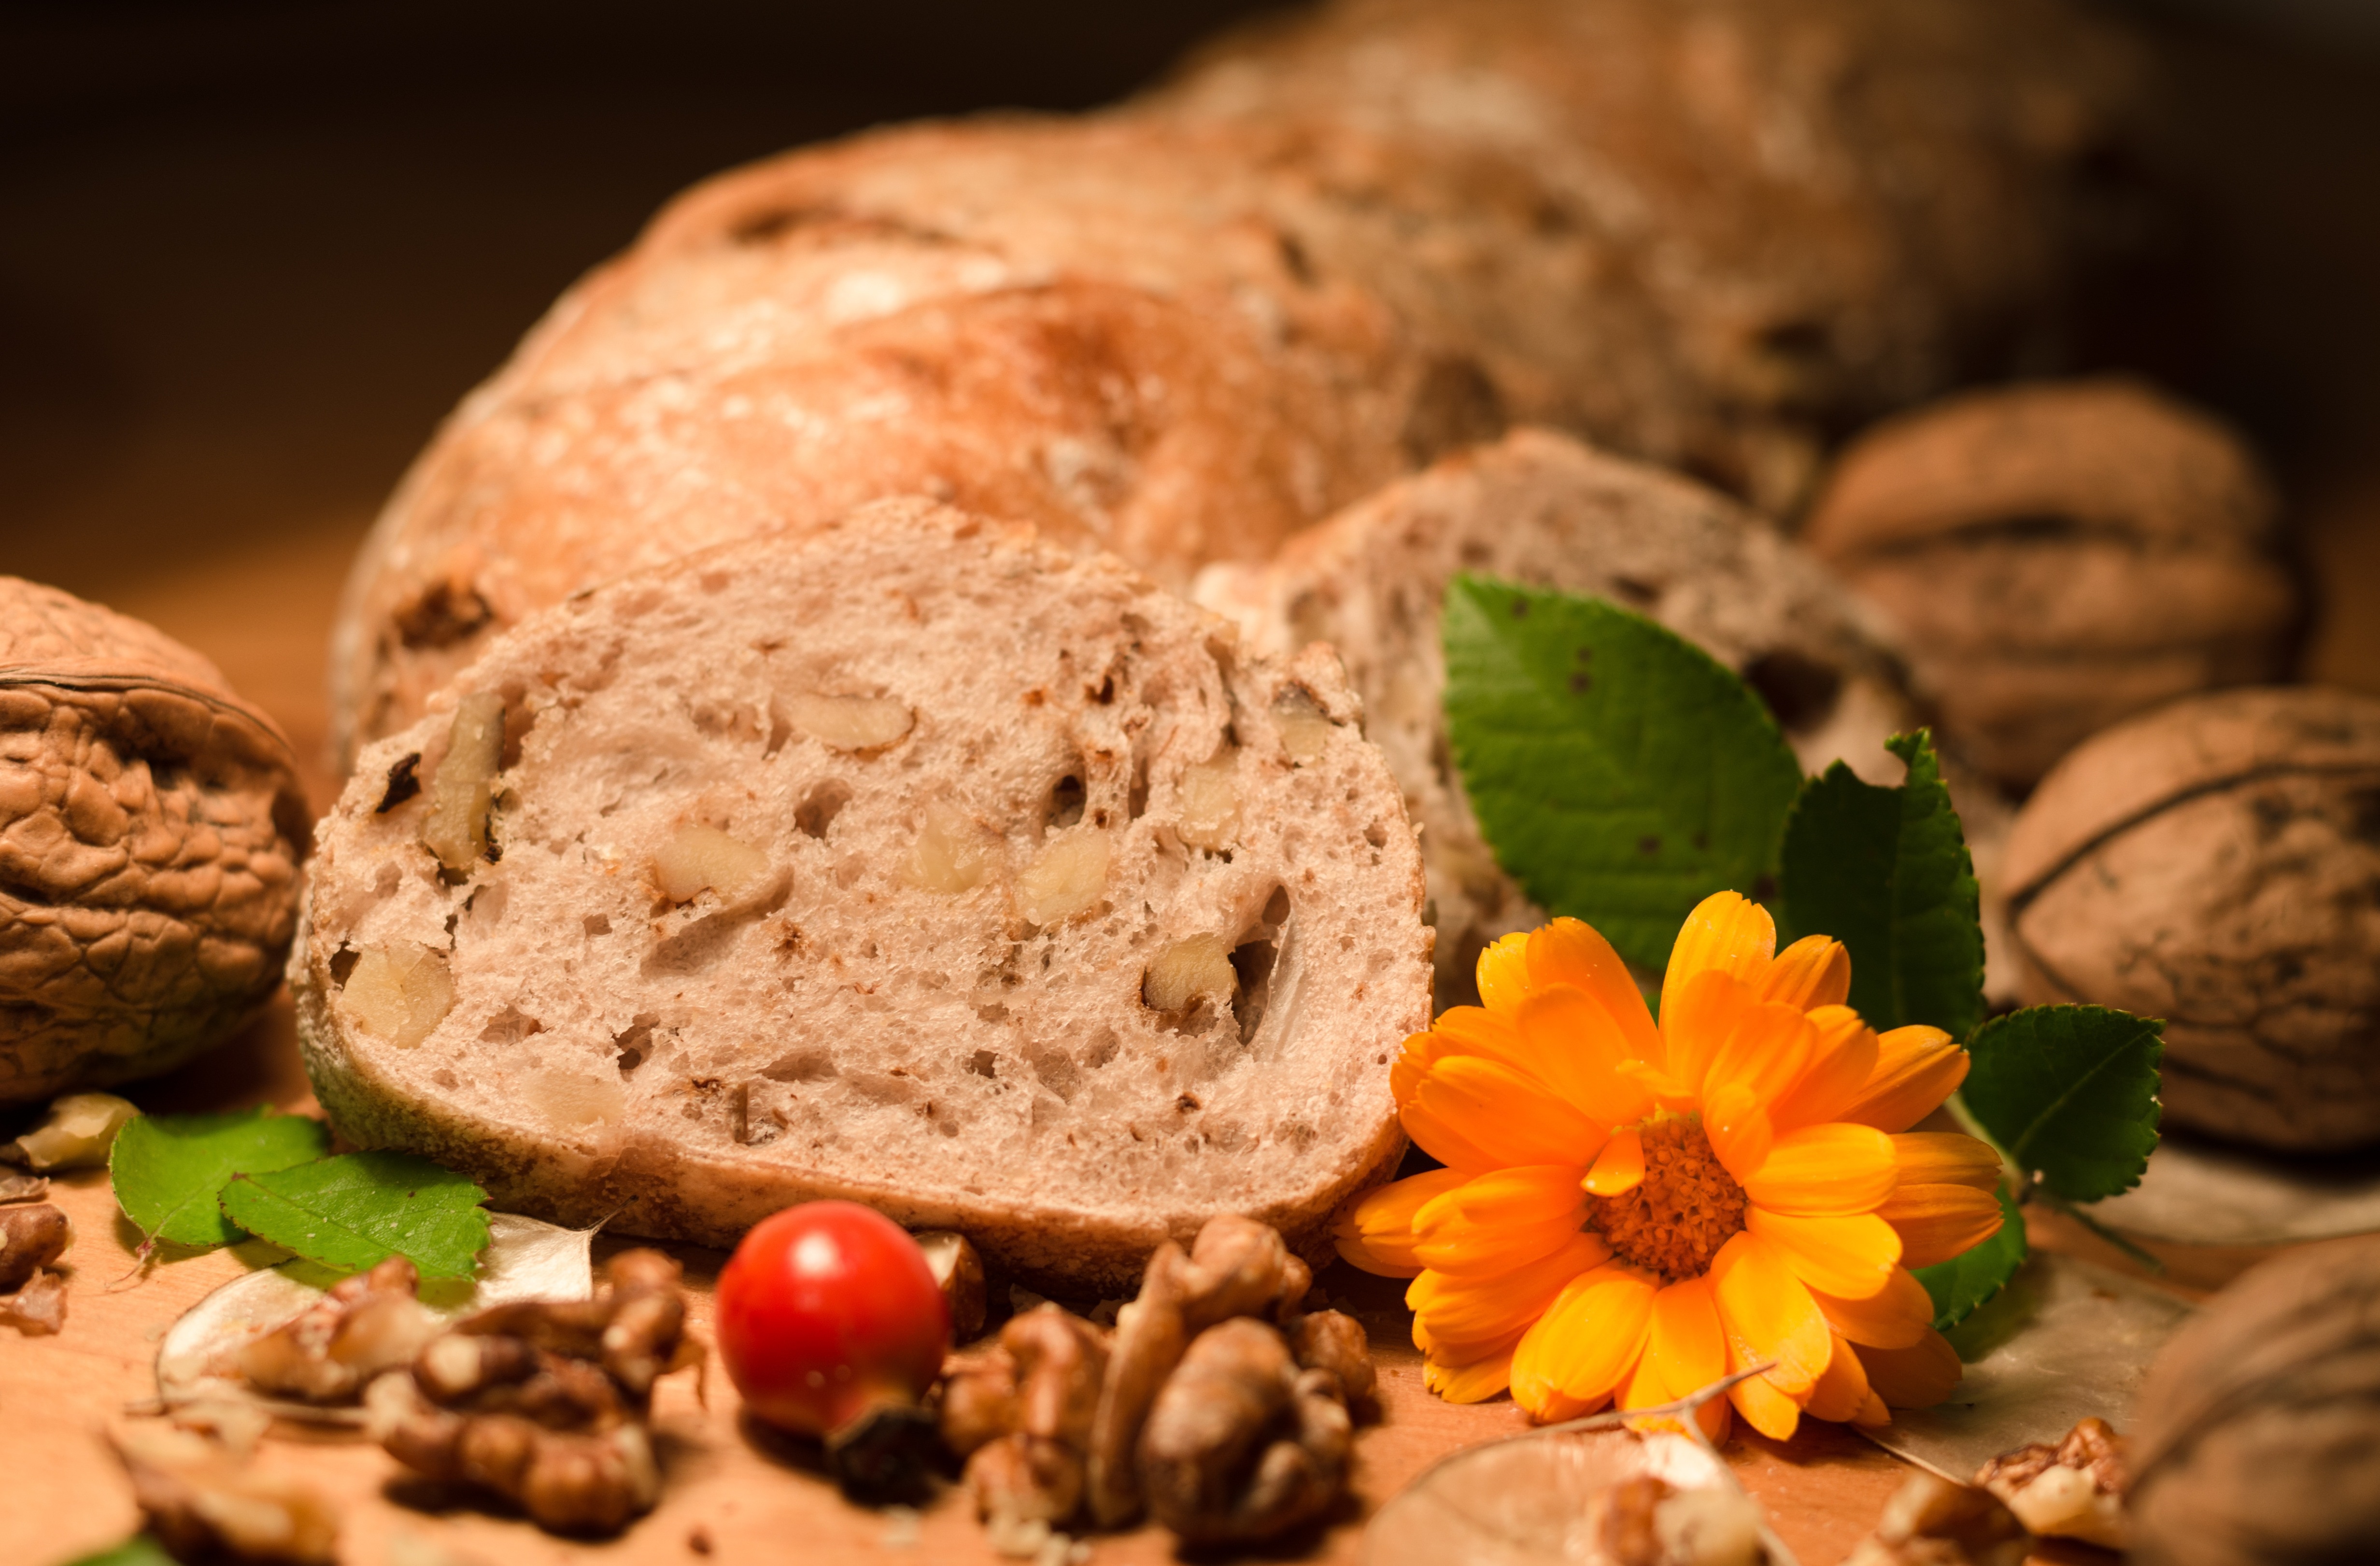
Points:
[545,1402]
[2074,1490]
[1216,1404]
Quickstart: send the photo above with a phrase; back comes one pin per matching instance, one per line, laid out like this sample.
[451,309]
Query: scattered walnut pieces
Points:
[203,1499]
[30,1239]
[327,1353]
[1020,1415]
[958,1268]
[1242,1445]
[1236,1267]
[2074,1490]
[38,1309]
[77,1133]
[1646,1520]
[1215,1403]
[545,1402]
[33,1299]
[1931,1522]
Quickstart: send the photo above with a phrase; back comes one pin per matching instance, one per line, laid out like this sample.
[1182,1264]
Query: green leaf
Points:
[1974,1276]
[349,1212]
[1886,872]
[1621,774]
[2070,1094]
[139,1550]
[167,1167]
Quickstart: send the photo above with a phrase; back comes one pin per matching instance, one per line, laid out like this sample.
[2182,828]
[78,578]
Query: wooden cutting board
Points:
[731,1494]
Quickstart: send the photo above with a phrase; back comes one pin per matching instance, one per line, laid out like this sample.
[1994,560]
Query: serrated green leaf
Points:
[1886,871]
[166,1169]
[1974,1276]
[1621,773]
[347,1213]
[2070,1094]
[142,1549]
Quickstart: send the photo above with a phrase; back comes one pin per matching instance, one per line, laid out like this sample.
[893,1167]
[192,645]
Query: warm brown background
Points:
[251,252]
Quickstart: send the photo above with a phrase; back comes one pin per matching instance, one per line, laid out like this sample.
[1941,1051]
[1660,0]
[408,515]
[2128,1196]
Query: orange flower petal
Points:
[1917,1376]
[1477,1114]
[1573,1044]
[1501,1220]
[1585,1344]
[1684,1351]
[1376,1233]
[1667,1090]
[1620,1167]
[1824,1169]
[1474,1382]
[1894,1318]
[1873,1414]
[1946,1157]
[1739,1130]
[1765,1051]
[1936,1222]
[1851,1257]
[1842,1391]
[1842,1057]
[1460,1031]
[1764,1408]
[1916,1068]
[1568,951]
[1814,971]
[1768,1315]
[1503,974]
[1461,1312]
[1697,1017]
[1726,933]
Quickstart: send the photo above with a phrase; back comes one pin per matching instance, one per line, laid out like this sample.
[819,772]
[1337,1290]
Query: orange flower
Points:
[1631,1211]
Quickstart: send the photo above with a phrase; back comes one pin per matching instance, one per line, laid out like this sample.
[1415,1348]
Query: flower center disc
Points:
[1681,1212]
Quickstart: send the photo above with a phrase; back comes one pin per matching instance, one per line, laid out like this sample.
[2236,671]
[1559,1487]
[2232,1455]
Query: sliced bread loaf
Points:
[1541,509]
[921,864]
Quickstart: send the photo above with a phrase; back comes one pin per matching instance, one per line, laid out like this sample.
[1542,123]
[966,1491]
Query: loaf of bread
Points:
[918,862]
[151,825]
[1541,509]
[1703,232]
[1186,329]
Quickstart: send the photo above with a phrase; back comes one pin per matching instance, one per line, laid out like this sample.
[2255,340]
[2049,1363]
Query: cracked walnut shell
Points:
[2217,863]
[151,826]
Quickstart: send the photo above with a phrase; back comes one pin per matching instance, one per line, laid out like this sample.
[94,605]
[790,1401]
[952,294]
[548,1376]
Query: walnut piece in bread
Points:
[630,1030]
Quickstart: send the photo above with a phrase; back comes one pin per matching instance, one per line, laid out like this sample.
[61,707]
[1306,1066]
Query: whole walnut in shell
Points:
[2257,1441]
[151,825]
[2217,863]
[2058,557]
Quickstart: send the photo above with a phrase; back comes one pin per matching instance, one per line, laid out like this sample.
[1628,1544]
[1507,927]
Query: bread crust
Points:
[843,1023]
[1332,252]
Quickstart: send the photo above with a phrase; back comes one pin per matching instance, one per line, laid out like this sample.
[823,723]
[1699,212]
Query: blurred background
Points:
[252,250]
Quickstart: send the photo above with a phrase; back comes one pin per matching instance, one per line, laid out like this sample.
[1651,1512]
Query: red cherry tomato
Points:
[825,1310]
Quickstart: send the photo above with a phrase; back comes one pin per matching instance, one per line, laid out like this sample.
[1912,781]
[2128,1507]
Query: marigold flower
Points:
[1630,1211]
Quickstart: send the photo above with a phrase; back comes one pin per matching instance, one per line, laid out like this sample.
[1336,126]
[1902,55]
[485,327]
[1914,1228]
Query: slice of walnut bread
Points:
[922,864]
[1541,509]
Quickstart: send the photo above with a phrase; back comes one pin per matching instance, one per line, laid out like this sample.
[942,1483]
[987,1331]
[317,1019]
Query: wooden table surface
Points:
[264,615]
